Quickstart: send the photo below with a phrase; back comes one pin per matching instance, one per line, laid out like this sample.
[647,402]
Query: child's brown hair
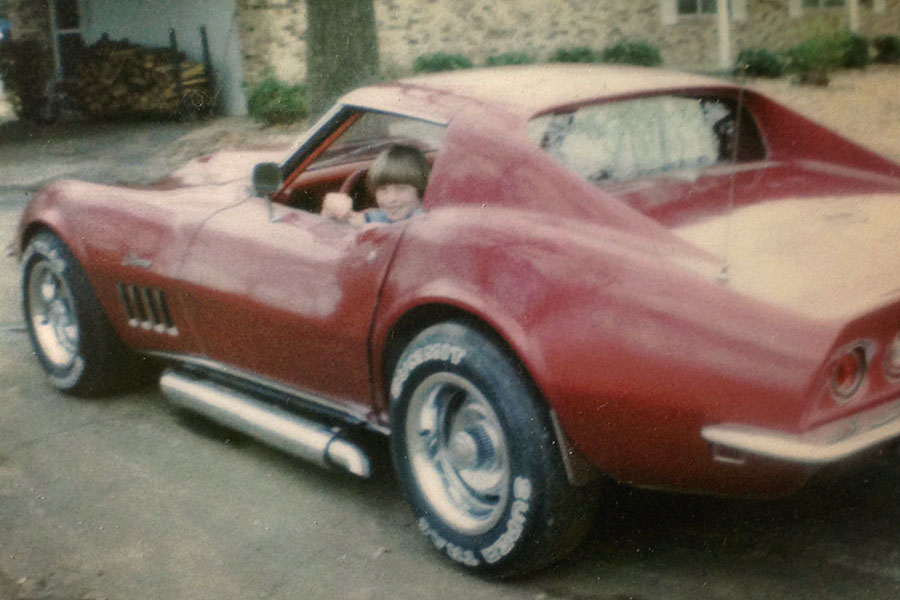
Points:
[399,164]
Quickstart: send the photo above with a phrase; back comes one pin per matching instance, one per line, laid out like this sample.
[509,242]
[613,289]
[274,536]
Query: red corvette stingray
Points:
[659,278]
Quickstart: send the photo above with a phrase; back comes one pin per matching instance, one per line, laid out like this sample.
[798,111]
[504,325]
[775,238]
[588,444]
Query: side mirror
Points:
[266,179]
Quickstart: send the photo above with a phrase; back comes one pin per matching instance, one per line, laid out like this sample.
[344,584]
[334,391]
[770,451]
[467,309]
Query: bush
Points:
[759,63]
[275,102]
[632,53]
[856,51]
[25,66]
[888,48]
[509,58]
[816,58]
[576,54]
[440,61]
[818,53]
[831,52]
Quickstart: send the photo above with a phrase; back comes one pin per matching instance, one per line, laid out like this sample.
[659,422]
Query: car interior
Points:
[340,162]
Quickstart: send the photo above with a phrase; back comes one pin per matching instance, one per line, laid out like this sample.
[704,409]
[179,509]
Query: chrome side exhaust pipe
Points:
[291,433]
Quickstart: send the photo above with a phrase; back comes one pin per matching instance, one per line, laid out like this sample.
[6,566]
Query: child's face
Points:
[397,200]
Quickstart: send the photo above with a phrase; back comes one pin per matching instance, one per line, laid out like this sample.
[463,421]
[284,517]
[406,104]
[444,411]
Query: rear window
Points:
[646,136]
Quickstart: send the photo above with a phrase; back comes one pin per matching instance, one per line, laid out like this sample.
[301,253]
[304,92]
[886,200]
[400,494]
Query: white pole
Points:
[853,7]
[724,33]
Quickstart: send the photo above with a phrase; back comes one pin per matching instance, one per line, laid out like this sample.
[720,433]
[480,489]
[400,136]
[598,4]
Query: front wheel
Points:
[475,453]
[69,331]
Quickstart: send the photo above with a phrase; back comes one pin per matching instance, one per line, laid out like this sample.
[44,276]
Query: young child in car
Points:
[397,178]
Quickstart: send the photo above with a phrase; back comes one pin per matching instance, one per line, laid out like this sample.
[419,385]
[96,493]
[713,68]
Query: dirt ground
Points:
[862,105]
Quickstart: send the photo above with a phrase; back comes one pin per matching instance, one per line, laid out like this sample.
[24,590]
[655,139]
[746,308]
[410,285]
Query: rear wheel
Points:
[475,452]
[69,331]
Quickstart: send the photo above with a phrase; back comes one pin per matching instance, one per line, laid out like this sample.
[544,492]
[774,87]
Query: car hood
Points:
[220,168]
[824,257]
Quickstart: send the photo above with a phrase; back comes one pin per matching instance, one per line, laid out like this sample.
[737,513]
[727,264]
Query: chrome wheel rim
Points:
[458,453]
[51,313]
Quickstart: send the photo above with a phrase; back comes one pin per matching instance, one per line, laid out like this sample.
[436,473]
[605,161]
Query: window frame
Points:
[823,4]
[699,12]
[669,11]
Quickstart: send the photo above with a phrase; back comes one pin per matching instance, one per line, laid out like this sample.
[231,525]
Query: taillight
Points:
[892,359]
[848,373]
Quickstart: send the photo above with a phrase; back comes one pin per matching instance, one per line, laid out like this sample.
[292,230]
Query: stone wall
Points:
[481,28]
[29,19]
[273,32]
[273,39]
[886,23]
[770,26]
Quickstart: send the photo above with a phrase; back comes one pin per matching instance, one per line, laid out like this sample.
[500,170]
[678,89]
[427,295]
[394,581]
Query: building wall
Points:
[273,39]
[481,28]
[268,37]
[874,24]
[273,31]
[29,19]
[770,25]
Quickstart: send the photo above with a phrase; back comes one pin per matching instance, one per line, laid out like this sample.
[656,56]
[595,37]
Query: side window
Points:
[635,138]
[347,145]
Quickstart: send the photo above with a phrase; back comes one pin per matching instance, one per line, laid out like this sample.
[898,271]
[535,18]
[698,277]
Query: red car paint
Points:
[637,332]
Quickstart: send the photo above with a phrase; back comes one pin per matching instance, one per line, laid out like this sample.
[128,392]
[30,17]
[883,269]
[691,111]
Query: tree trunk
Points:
[341,48]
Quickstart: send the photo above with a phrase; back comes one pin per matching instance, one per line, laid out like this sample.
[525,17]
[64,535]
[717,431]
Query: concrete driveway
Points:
[127,498]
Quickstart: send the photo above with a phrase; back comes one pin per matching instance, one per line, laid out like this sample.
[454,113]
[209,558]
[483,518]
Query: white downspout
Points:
[853,9]
[54,40]
[724,33]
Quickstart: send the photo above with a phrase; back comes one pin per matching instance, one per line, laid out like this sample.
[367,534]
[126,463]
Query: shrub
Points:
[856,51]
[575,54]
[888,48]
[275,102]
[509,58]
[818,53]
[632,53]
[815,59]
[440,61]
[25,66]
[759,63]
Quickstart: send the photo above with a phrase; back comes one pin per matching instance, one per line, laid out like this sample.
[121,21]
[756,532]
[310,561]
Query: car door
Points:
[281,292]
[291,299]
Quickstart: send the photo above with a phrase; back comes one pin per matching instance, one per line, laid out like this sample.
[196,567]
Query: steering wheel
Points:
[350,184]
[352,179]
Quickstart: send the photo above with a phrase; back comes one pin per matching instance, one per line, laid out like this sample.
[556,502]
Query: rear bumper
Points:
[827,444]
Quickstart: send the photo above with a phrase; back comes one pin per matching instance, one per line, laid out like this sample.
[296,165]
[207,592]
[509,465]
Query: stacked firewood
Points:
[120,79]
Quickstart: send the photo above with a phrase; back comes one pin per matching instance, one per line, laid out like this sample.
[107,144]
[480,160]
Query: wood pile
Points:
[116,79]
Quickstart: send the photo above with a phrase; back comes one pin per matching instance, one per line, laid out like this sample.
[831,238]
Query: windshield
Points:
[373,132]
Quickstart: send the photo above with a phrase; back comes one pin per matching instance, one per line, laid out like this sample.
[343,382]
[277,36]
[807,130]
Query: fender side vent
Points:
[146,308]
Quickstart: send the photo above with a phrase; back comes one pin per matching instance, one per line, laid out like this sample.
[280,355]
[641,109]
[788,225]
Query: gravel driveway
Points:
[862,105]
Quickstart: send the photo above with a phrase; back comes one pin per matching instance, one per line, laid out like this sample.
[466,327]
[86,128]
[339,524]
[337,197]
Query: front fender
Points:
[47,210]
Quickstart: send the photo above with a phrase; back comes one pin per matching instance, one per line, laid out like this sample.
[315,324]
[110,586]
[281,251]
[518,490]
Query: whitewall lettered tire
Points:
[476,455]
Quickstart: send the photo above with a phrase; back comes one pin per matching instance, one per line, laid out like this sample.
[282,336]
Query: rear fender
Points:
[591,315]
